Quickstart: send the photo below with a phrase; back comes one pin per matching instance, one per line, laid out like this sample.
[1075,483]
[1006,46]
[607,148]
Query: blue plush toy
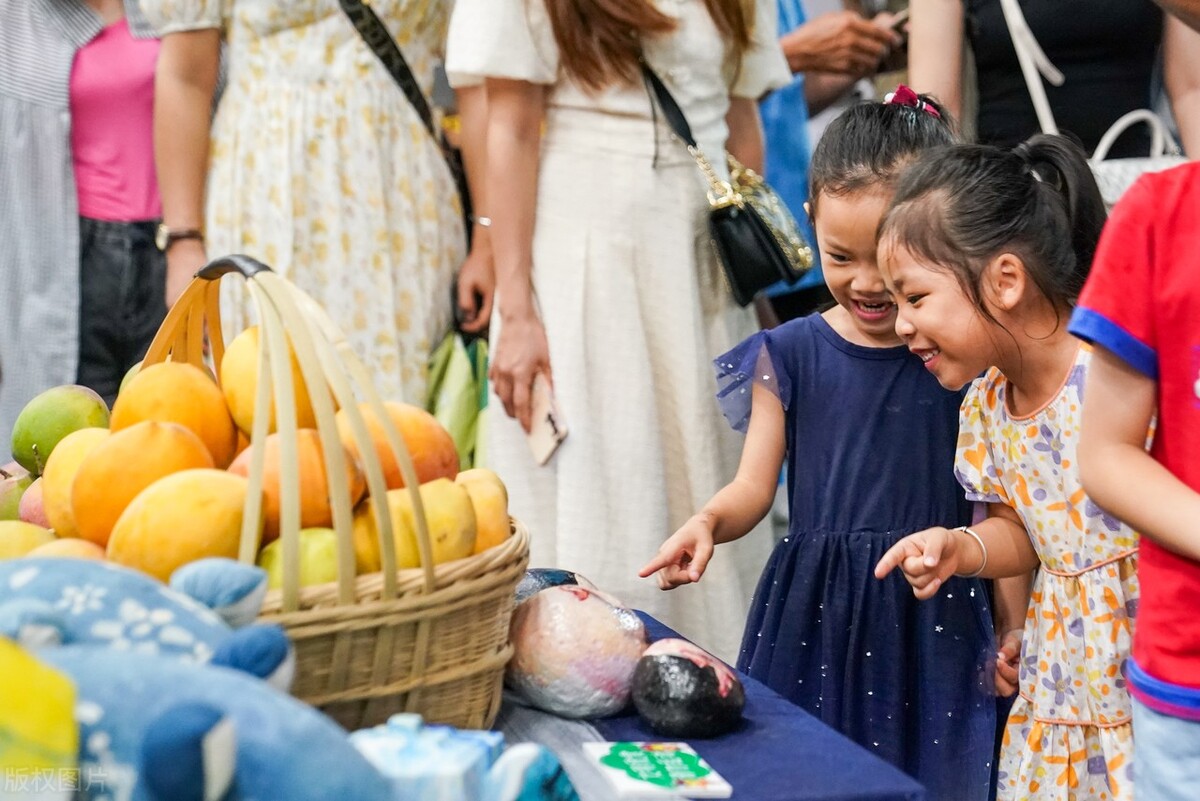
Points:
[170,707]
[46,602]
[154,728]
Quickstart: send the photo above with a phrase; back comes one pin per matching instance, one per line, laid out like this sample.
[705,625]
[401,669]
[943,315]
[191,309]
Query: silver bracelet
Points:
[982,549]
[483,222]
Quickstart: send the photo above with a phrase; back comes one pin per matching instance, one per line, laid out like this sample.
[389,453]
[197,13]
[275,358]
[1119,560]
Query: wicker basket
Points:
[431,640]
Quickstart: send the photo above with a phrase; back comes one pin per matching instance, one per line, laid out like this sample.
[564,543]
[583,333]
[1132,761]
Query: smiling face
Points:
[845,226]
[936,317]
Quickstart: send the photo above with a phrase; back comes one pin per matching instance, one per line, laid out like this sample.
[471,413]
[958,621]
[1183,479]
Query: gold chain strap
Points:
[741,175]
[720,193]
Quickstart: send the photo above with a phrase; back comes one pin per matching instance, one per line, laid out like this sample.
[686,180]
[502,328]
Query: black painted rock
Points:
[683,691]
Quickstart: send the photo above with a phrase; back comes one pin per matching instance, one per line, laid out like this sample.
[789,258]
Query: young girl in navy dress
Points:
[869,438]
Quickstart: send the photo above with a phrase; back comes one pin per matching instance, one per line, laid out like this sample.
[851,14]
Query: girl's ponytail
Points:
[961,206]
[1061,164]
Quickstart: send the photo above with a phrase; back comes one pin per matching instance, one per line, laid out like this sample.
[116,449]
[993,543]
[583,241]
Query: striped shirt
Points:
[39,223]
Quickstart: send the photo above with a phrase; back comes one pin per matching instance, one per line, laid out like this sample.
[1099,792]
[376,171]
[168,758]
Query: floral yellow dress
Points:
[321,168]
[1069,733]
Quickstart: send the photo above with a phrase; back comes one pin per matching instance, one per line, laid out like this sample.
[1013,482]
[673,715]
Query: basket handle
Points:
[246,265]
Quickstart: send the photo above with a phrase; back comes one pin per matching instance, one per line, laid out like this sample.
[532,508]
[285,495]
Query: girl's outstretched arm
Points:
[931,556]
[737,507]
[1118,473]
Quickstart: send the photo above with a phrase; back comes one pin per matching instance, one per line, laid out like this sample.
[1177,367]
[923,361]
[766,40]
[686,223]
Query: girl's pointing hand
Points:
[927,558]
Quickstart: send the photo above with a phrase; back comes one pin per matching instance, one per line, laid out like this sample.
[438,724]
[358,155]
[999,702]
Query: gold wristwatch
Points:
[164,237]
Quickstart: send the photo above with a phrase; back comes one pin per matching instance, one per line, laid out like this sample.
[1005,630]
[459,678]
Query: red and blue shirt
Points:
[1142,303]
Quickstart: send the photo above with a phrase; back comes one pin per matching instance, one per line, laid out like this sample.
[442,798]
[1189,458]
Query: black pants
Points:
[122,278]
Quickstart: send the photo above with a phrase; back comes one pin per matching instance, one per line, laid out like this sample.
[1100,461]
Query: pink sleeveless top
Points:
[112,114]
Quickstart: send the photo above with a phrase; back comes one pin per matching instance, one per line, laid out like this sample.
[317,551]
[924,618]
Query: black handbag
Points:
[756,238]
[380,41]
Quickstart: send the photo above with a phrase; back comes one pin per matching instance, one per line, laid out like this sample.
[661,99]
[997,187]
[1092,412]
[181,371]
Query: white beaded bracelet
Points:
[982,550]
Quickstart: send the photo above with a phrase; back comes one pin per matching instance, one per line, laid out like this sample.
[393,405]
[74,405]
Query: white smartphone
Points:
[547,427]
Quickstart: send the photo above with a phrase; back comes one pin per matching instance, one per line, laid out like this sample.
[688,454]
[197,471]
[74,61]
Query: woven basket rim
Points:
[450,578]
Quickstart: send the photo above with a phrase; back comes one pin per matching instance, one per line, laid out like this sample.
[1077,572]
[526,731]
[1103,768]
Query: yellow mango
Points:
[59,477]
[178,519]
[489,498]
[451,519]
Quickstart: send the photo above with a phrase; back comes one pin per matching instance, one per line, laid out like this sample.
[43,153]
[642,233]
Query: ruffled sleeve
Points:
[754,361]
[173,16]
[763,65]
[501,39]
[974,466]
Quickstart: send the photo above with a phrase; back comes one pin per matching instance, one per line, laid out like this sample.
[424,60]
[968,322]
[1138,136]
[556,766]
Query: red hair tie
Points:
[903,96]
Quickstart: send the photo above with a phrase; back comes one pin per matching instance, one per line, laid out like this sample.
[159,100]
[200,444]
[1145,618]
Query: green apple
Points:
[14,480]
[318,558]
[49,417]
[18,538]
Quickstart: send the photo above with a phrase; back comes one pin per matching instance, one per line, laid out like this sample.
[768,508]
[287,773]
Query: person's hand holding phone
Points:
[519,355]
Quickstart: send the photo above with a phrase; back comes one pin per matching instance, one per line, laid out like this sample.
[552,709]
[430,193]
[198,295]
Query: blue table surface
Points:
[780,752]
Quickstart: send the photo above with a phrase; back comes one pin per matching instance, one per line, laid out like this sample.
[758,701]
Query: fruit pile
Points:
[162,479]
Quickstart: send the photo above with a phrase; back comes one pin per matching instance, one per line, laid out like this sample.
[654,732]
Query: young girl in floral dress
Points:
[984,251]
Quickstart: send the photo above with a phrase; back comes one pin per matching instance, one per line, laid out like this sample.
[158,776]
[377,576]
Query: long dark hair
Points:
[600,41]
[959,207]
[870,143]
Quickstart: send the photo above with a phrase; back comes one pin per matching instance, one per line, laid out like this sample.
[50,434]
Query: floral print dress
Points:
[321,168]
[1069,733]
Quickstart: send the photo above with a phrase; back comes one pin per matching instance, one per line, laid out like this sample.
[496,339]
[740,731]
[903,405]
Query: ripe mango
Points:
[178,392]
[123,465]
[451,521]
[50,417]
[315,507]
[489,498]
[239,383]
[180,518]
[430,445]
[69,549]
[59,477]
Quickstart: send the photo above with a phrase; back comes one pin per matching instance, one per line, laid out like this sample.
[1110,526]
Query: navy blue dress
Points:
[870,458]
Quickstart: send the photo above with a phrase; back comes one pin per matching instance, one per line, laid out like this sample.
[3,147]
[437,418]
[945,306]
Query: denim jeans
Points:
[122,302]
[1166,756]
